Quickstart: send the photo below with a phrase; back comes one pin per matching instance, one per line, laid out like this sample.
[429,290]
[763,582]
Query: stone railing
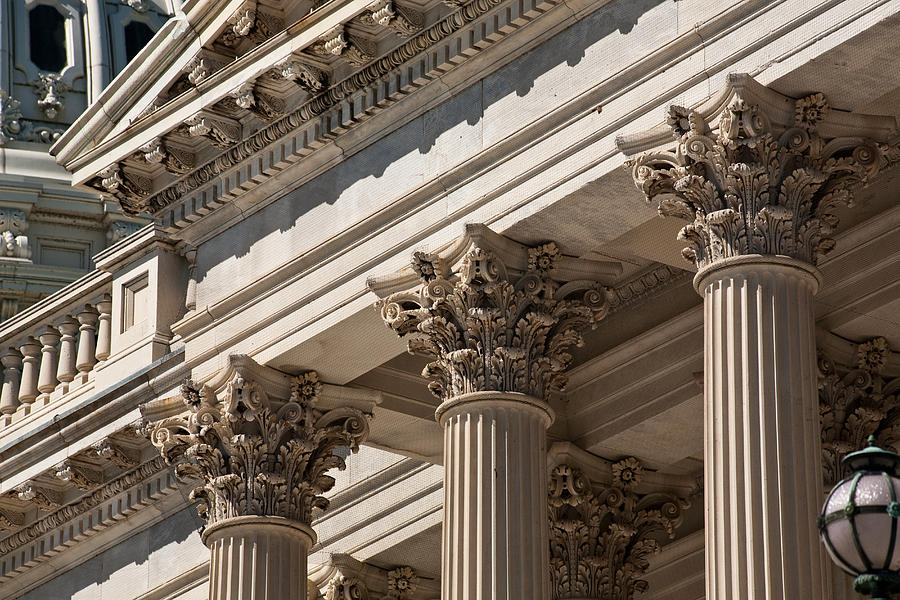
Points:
[119,313]
[53,347]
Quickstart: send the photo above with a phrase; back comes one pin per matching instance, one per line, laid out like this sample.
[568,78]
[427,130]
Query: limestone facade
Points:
[408,325]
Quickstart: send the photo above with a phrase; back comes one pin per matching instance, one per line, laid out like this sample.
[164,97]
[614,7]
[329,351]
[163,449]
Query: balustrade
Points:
[54,351]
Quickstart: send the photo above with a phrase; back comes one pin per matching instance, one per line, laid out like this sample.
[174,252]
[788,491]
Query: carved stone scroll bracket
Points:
[601,537]
[203,66]
[493,314]
[261,441]
[41,496]
[267,107]
[122,456]
[82,475]
[756,172]
[130,188]
[403,21]
[855,401]
[221,131]
[309,77]
[10,519]
[174,160]
[336,42]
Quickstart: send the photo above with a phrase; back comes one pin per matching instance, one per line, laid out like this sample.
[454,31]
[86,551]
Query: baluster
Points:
[49,337]
[87,339]
[67,370]
[104,329]
[31,352]
[12,371]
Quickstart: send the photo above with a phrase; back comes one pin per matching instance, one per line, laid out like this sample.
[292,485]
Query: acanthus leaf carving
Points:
[490,325]
[257,456]
[310,78]
[11,124]
[756,180]
[122,457]
[39,495]
[600,541]
[81,476]
[342,587]
[403,21]
[856,401]
[352,49]
[221,131]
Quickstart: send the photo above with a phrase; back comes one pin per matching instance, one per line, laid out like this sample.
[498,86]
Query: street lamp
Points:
[859,524]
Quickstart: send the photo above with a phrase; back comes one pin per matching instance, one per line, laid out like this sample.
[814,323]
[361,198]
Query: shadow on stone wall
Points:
[421,135]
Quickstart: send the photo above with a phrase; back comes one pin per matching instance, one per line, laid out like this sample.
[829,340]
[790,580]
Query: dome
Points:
[56,56]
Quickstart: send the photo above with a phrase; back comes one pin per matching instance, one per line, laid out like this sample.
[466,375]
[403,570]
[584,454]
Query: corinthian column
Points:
[757,175]
[261,443]
[496,318]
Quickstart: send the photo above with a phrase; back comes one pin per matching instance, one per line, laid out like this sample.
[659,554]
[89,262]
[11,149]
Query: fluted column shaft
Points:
[763,465]
[264,558]
[496,533]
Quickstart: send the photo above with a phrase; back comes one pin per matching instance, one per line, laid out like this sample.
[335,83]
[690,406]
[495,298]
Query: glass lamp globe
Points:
[859,522]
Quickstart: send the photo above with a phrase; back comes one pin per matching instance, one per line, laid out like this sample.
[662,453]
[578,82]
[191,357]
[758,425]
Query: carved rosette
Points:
[856,402]
[600,542]
[756,177]
[488,326]
[402,583]
[257,456]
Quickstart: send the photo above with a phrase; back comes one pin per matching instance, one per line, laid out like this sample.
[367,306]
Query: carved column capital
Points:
[261,442]
[600,541]
[757,172]
[495,315]
[856,400]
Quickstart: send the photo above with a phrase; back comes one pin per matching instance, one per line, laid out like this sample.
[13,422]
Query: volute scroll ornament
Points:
[497,315]
[756,172]
[258,456]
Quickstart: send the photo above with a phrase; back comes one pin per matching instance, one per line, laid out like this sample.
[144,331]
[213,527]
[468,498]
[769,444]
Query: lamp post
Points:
[859,524]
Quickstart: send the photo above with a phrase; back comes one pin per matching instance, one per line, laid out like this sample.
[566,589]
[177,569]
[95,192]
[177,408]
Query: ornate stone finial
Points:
[856,402]
[402,583]
[497,316]
[756,172]
[254,454]
[599,543]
